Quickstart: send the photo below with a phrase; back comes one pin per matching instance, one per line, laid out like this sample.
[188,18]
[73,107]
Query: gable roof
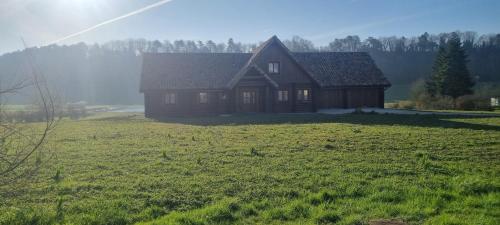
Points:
[276,41]
[162,71]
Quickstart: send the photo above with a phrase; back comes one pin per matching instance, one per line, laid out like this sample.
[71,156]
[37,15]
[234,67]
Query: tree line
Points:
[109,73]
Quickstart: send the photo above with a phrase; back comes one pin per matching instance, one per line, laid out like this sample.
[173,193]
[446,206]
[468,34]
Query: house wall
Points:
[293,105]
[331,98]
[365,97]
[351,97]
[187,103]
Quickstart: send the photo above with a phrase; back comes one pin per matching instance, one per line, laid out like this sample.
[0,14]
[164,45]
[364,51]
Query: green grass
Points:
[495,111]
[266,169]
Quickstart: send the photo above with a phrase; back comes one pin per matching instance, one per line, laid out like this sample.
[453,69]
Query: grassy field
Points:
[266,169]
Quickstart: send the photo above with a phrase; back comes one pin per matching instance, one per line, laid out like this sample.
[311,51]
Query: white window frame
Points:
[274,67]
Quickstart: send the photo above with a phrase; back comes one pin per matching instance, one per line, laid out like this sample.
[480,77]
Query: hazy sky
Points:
[41,22]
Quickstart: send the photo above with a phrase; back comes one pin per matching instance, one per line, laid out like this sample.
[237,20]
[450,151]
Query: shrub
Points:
[417,89]
[473,102]
[405,105]
[426,101]
[401,105]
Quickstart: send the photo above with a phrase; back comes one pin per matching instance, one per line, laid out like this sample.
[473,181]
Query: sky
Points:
[43,22]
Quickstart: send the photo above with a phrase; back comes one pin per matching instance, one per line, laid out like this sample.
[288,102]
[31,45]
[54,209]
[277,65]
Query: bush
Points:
[404,105]
[473,102]
[425,101]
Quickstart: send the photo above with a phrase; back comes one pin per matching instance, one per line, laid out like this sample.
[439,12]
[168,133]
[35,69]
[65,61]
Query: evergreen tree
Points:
[450,76]
[457,81]
[434,85]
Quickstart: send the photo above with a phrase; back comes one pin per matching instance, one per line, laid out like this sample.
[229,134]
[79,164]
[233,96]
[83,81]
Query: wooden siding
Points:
[331,98]
[352,97]
[363,97]
[293,104]
[289,70]
[187,103]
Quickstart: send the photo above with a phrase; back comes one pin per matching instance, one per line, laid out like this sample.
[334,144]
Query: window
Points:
[248,97]
[222,96]
[282,96]
[304,95]
[274,67]
[203,97]
[170,98]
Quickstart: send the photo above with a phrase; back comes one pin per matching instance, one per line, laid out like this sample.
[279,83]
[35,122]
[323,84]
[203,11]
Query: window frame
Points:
[170,98]
[273,64]
[304,95]
[283,96]
[249,99]
[222,96]
[203,100]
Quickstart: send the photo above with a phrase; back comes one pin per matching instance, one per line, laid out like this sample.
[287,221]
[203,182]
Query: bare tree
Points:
[22,142]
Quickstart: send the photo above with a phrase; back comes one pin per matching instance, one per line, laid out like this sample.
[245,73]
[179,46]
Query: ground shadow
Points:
[439,121]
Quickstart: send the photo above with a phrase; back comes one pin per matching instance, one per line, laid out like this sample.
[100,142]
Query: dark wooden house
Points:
[271,79]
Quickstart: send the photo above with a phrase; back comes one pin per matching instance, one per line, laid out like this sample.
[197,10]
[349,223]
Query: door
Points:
[249,100]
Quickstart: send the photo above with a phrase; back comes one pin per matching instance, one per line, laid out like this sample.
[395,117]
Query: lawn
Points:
[266,169]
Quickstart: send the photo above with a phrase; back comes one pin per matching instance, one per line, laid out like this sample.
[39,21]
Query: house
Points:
[271,79]
[494,102]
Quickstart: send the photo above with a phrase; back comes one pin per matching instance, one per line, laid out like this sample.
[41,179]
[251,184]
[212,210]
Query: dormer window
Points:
[274,68]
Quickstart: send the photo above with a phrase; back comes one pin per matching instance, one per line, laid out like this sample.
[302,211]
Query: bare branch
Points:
[19,141]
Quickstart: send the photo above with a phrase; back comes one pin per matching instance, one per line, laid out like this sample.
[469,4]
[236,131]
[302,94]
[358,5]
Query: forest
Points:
[109,73]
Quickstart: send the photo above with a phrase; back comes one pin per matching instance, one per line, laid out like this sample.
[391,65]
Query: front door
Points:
[249,100]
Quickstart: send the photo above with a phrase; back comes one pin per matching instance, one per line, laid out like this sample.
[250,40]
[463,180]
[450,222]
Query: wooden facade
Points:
[270,80]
